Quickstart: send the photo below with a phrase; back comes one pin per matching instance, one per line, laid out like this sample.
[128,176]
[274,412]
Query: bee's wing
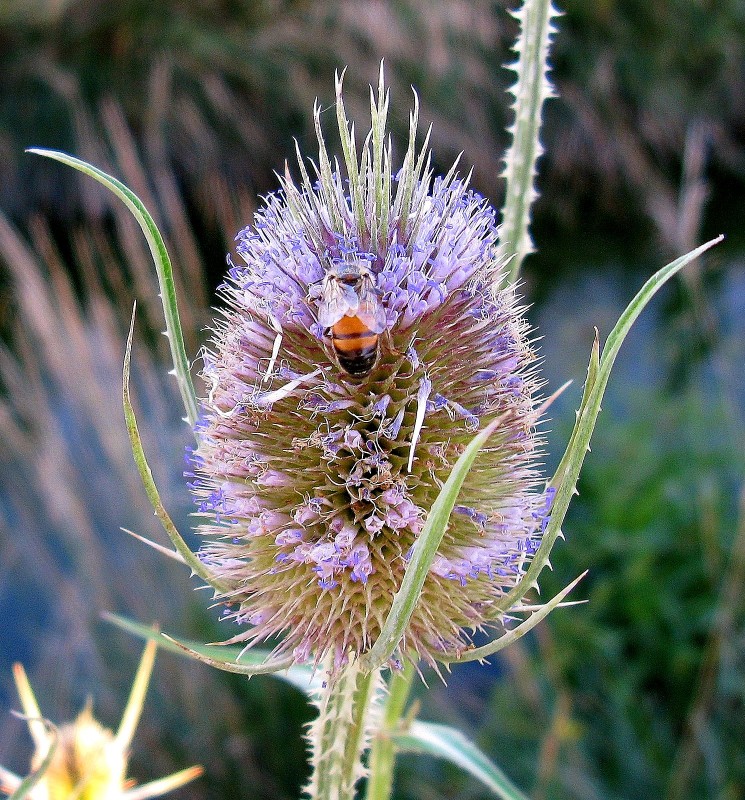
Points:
[333,306]
[369,309]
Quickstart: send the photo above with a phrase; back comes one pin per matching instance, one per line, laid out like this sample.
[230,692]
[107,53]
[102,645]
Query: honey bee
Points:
[351,310]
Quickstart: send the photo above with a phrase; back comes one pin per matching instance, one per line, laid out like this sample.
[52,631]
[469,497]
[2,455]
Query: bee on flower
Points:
[362,346]
[352,311]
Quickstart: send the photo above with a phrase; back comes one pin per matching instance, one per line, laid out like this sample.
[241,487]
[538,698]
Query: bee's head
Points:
[350,273]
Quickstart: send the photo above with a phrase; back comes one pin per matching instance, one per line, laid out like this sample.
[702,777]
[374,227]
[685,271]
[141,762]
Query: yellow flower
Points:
[82,760]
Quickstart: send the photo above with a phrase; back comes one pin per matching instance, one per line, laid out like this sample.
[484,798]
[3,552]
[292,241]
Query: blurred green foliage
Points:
[617,685]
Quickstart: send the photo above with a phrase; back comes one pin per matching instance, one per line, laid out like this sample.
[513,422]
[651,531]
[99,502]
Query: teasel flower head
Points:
[362,346]
[83,760]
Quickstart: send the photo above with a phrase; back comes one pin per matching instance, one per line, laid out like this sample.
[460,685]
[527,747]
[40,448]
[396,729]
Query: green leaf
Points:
[146,475]
[592,375]
[599,370]
[162,266]
[30,781]
[423,553]
[449,743]
[227,657]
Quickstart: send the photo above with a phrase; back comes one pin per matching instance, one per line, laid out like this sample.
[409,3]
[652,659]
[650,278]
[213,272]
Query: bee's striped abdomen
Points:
[356,346]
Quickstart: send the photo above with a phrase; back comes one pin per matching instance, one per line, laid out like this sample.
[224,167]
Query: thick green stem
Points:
[340,734]
[383,750]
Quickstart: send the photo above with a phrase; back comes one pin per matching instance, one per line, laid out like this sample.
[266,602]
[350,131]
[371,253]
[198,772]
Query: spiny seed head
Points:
[314,477]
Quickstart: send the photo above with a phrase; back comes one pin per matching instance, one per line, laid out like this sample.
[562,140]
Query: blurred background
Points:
[638,694]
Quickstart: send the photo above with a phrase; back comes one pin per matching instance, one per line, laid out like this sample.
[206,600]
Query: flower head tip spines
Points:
[361,347]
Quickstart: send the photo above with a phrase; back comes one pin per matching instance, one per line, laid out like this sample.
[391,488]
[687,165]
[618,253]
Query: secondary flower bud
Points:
[87,763]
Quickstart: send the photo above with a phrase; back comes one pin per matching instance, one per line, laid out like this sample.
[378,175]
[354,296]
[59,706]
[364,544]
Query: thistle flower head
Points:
[361,347]
[87,763]
[83,760]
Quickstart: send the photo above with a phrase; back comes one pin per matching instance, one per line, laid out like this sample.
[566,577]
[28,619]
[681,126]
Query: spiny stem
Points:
[383,750]
[530,91]
[340,733]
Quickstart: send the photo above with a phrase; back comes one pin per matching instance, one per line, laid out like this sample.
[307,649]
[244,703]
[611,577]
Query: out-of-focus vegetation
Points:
[650,92]
[637,694]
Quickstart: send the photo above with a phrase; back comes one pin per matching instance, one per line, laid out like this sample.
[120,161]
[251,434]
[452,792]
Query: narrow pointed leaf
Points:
[172,554]
[136,700]
[161,786]
[28,783]
[450,744]
[138,452]
[565,479]
[592,374]
[150,633]
[423,553]
[9,781]
[228,665]
[30,707]
[540,613]
[230,658]
[162,265]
